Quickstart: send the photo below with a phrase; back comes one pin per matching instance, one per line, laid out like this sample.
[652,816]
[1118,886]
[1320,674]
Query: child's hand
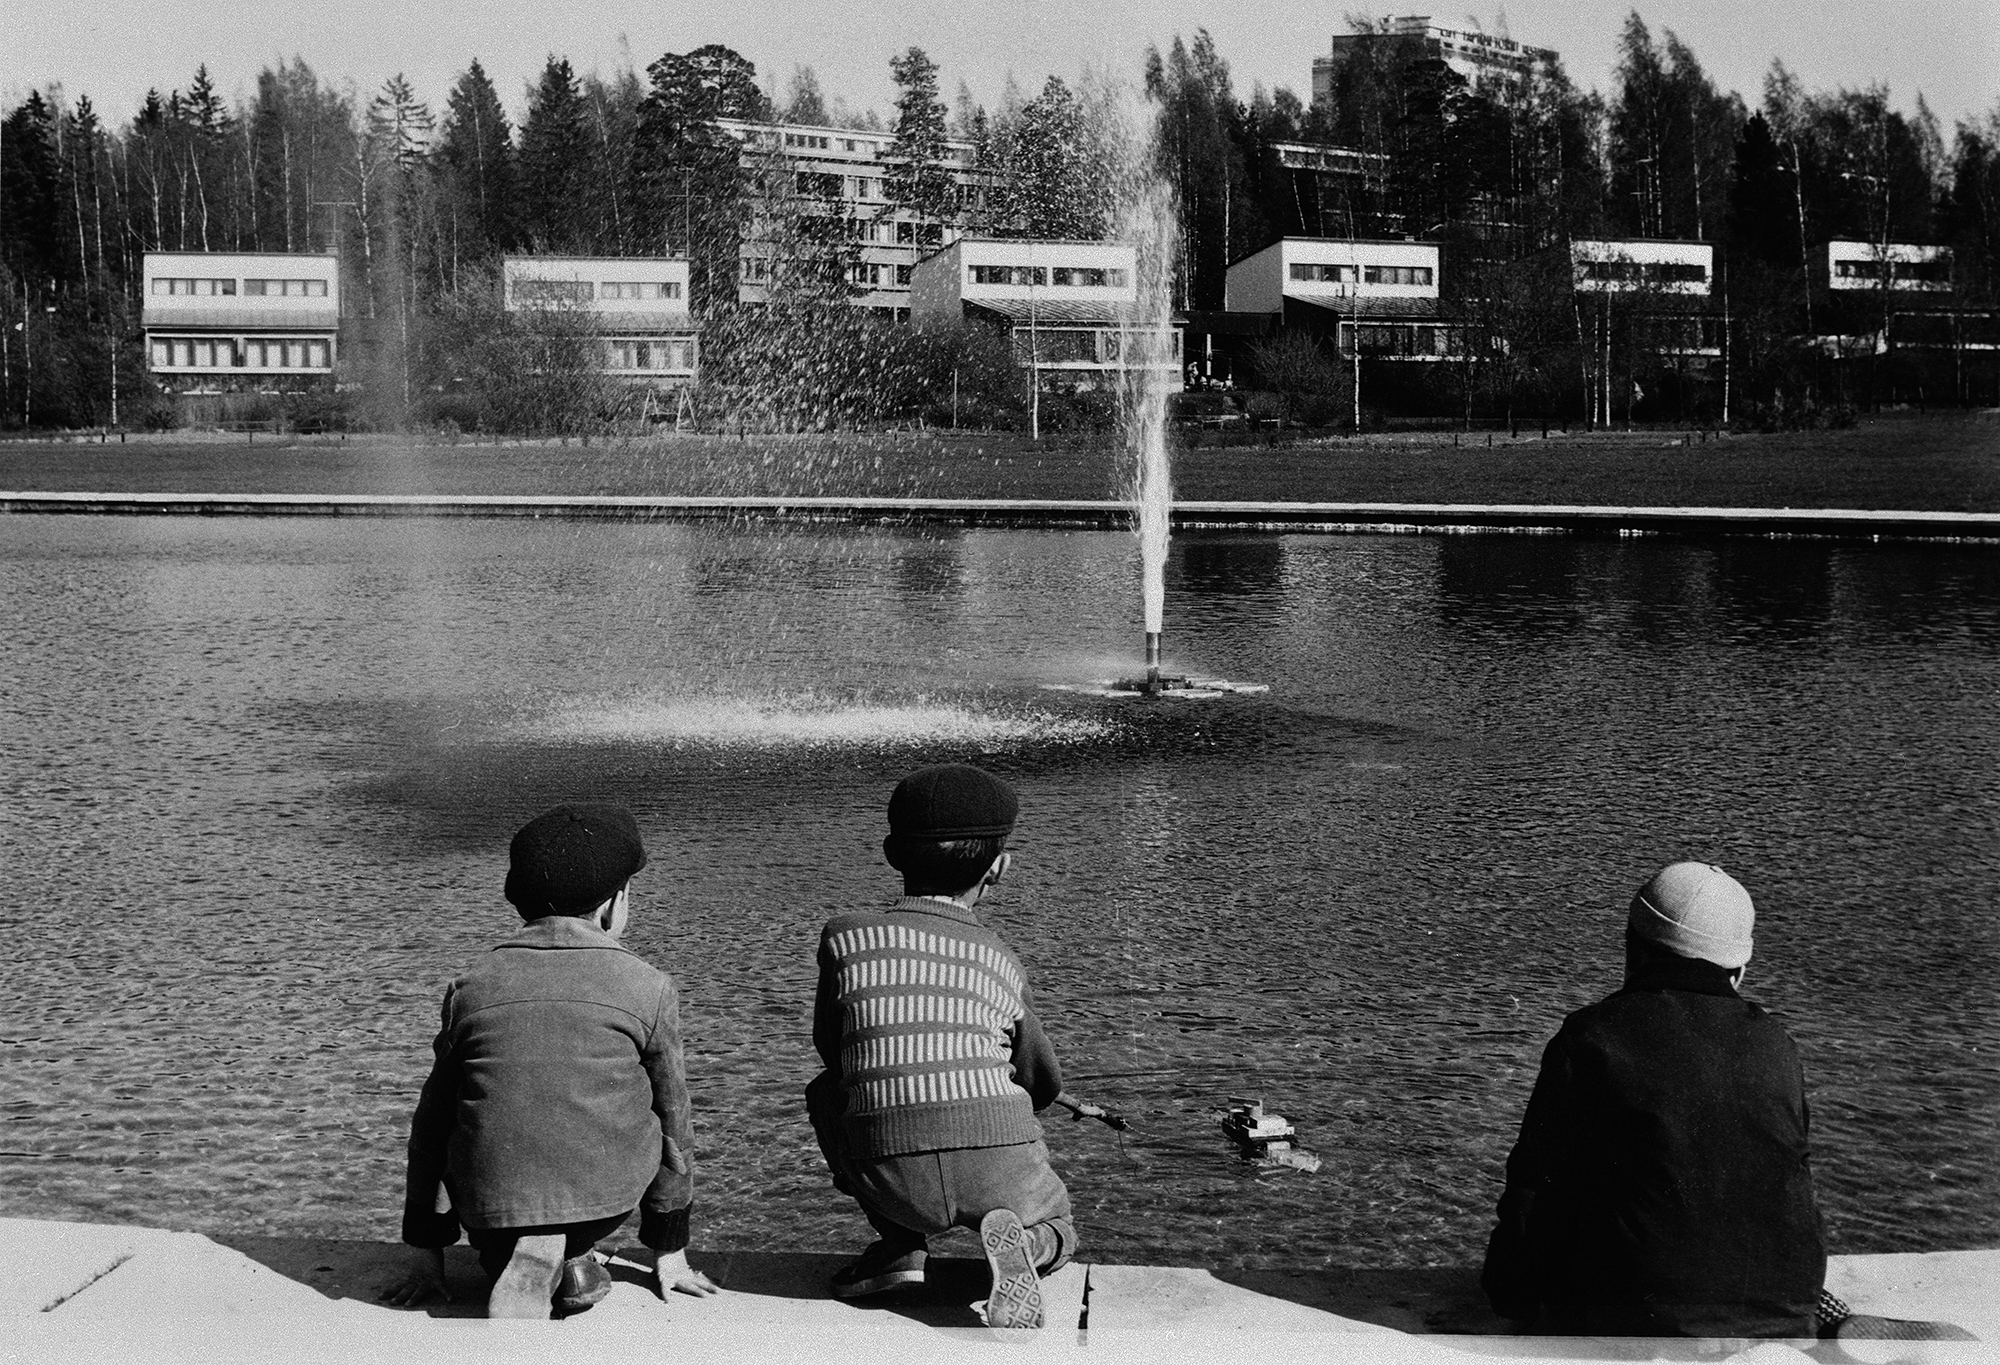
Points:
[674,1272]
[422,1281]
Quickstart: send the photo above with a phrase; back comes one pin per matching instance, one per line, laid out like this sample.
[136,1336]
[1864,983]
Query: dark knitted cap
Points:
[952,801]
[572,858]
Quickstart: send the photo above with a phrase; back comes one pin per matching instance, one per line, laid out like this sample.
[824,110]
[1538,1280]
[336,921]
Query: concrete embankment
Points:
[86,1291]
[1321,517]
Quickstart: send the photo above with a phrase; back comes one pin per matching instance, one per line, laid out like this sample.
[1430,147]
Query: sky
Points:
[113,50]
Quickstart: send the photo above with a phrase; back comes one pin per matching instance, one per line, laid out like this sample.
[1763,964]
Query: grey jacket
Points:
[557,1095]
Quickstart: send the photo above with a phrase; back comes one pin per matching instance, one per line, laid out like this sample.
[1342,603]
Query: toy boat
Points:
[1266,1137]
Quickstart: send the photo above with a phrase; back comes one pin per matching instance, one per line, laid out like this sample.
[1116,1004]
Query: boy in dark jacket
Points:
[1662,1183]
[557,1103]
[935,1063]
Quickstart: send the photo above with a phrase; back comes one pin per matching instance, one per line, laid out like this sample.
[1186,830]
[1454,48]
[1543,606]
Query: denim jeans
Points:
[912,1195]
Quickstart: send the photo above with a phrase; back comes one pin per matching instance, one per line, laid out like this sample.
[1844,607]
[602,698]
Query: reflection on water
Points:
[261,776]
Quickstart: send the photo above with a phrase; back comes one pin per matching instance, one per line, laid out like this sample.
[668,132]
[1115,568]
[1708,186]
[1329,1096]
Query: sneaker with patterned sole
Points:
[1016,1297]
[881,1267]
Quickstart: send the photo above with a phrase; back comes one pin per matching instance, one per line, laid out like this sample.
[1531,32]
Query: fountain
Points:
[1147,220]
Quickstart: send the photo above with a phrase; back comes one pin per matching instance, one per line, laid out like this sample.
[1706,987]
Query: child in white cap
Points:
[1662,1181]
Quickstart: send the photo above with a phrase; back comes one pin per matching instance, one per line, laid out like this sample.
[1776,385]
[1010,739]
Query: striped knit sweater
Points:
[923,1014]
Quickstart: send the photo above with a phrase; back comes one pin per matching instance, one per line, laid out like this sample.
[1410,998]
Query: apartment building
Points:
[1071,309]
[1379,296]
[231,321]
[636,307]
[1492,64]
[825,191]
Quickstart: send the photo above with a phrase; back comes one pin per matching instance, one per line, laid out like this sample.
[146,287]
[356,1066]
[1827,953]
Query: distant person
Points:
[935,1063]
[557,1104]
[1662,1183]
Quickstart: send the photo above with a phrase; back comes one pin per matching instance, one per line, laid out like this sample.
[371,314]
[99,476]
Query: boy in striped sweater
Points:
[935,1063]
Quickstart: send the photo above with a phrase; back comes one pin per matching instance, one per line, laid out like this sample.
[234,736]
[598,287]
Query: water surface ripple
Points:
[260,775]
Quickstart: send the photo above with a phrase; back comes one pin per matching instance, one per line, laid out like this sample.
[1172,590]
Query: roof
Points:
[1059,312]
[1370,310]
[322,319]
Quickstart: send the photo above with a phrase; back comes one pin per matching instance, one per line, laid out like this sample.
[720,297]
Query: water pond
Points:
[259,777]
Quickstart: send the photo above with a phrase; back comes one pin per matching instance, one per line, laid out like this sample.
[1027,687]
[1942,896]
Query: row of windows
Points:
[877,274]
[1314,273]
[297,289]
[226,353]
[651,355]
[1403,339]
[1646,272]
[582,291]
[1096,346]
[1927,272]
[1041,276]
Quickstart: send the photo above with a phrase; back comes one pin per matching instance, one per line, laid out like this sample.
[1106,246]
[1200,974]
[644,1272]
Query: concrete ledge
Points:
[1322,517]
[84,1291]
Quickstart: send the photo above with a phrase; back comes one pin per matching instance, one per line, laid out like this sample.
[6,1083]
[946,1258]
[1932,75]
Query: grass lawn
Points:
[1898,461]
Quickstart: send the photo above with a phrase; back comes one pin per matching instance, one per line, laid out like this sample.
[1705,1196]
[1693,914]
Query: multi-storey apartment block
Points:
[1071,309]
[636,308]
[1379,296]
[1491,64]
[825,191]
[217,321]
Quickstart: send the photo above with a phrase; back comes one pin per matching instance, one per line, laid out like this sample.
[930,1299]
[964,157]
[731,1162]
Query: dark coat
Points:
[555,1094]
[1662,1184]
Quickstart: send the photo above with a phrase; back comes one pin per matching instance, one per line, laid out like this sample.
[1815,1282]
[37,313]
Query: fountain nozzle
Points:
[1152,661]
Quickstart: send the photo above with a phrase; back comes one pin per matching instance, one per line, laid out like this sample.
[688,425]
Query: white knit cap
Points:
[1695,910]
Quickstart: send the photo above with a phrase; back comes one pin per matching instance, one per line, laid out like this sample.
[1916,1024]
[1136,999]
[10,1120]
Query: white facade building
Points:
[215,320]
[839,179]
[1638,266]
[1908,268]
[637,306]
[1381,296]
[1072,309]
[1489,62]
[1331,272]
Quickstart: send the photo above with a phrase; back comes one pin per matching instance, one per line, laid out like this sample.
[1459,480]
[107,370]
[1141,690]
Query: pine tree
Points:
[687,191]
[475,153]
[554,188]
[920,180]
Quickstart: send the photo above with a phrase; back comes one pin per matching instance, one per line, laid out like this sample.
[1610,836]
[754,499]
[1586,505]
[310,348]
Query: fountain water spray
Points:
[1151,372]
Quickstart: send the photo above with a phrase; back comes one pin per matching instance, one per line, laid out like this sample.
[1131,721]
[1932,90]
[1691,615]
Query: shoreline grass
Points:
[1892,462]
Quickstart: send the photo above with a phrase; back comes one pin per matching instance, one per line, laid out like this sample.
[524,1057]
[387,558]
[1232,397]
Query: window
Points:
[1645,272]
[1314,273]
[552,291]
[1010,274]
[756,268]
[295,355]
[1088,276]
[297,289]
[906,234]
[163,353]
[1397,274]
[316,354]
[168,285]
[903,273]
[183,354]
[639,289]
[1924,272]
[930,234]
[204,355]
[819,185]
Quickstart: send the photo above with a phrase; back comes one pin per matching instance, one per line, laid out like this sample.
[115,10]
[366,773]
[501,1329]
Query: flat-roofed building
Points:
[1905,267]
[825,191]
[635,307]
[1382,296]
[218,321]
[1071,309]
[1642,266]
[1490,63]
